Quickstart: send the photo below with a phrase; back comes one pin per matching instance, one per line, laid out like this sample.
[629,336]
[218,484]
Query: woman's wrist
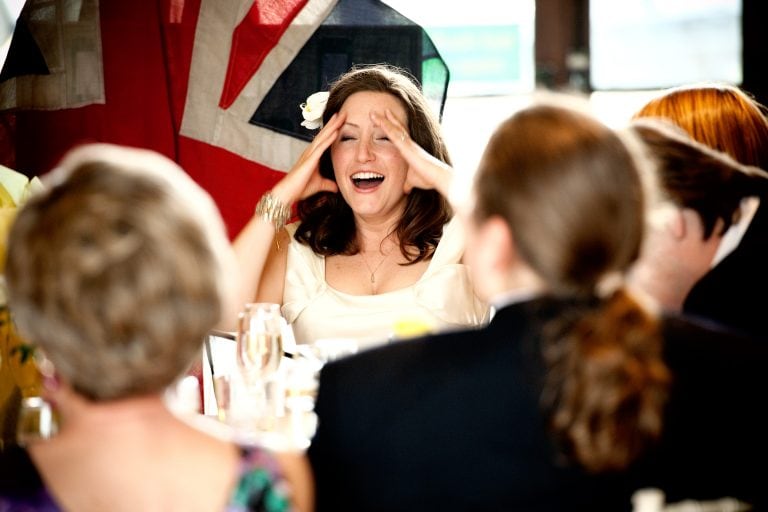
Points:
[273,210]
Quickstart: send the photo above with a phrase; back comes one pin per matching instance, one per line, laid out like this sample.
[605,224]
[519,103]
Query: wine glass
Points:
[259,341]
[254,396]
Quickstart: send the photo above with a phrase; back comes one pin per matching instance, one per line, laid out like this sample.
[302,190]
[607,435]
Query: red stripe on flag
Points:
[252,40]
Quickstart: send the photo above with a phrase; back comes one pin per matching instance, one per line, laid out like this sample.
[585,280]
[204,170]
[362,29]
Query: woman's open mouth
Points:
[367,180]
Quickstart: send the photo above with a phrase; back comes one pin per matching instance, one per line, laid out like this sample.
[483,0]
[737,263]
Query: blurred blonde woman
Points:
[116,272]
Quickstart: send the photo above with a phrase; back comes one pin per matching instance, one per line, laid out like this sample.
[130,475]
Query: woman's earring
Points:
[47,370]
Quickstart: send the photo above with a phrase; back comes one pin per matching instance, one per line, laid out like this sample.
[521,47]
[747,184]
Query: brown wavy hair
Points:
[573,194]
[722,116]
[327,221]
[698,177]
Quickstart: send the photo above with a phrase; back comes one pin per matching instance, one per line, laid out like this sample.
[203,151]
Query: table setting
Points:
[260,383]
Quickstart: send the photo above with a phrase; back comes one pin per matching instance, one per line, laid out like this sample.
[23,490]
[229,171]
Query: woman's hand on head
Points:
[424,170]
[261,269]
[304,179]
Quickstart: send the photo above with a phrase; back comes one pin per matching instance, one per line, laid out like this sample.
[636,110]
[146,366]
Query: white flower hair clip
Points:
[313,109]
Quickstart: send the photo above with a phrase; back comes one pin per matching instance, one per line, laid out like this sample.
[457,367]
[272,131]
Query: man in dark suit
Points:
[723,294]
[726,118]
[455,422]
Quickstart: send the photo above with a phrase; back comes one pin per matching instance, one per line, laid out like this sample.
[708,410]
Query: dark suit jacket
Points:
[453,422]
[732,292]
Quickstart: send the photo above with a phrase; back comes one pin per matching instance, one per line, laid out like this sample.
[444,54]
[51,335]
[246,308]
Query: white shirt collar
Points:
[510,297]
[732,237]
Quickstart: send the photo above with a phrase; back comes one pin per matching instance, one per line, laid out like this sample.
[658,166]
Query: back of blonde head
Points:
[116,270]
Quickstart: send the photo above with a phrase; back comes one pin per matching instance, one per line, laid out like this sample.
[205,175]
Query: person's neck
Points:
[666,286]
[143,434]
[675,256]
[77,412]
[376,235]
[519,284]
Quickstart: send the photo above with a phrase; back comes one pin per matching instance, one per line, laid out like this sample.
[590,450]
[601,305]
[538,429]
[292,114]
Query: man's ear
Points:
[497,243]
[676,223]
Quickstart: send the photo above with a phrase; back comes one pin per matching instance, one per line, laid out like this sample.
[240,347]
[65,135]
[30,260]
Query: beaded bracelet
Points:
[271,209]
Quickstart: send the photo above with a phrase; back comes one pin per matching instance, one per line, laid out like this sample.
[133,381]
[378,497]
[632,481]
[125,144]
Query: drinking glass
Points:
[301,383]
[255,394]
[259,341]
[36,421]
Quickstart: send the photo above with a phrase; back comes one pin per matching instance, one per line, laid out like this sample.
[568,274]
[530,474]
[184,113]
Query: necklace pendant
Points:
[373,278]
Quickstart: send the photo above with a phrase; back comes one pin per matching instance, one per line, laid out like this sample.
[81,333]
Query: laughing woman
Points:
[375,242]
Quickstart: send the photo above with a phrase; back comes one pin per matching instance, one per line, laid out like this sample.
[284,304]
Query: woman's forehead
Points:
[360,104]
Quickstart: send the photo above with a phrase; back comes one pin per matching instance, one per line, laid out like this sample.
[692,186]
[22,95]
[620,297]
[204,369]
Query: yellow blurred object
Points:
[17,359]
[19,377]
[15,187]
[6,201]
[7,214]
[410,327]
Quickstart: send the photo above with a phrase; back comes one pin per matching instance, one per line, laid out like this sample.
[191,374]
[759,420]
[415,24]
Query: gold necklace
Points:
[373,272]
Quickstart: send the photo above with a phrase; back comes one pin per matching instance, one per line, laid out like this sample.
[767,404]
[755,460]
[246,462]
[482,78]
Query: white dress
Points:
[443,298]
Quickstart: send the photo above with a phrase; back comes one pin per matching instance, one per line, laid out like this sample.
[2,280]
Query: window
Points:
[488,48]
[642,44]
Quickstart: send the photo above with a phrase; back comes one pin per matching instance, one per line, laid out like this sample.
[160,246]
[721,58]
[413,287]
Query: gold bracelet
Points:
[271,209]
